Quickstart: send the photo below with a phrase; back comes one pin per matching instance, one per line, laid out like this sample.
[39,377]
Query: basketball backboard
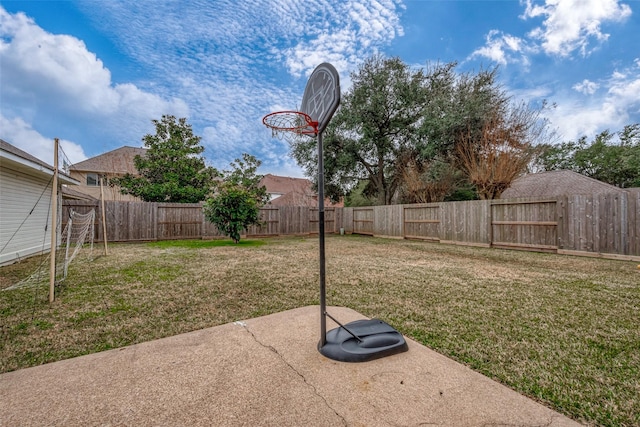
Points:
[322,95]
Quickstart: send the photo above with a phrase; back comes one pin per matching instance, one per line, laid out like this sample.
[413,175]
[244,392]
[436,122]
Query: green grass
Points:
[199,244]
[560,329]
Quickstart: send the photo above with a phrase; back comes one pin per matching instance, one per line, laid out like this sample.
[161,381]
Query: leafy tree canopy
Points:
[172,169]
[613,158]
[238,198]
[396,118]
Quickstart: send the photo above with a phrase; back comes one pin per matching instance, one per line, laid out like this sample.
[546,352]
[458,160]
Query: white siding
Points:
[25,215]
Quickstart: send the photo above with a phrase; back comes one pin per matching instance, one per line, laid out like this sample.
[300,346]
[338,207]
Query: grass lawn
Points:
[560,329]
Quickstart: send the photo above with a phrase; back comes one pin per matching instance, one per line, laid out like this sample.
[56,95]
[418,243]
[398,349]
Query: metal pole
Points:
[323,302]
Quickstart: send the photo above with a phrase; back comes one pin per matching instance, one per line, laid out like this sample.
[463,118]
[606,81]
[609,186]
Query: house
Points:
[115,163]
[287,191]
[25,203]
[283,191]
[556,183]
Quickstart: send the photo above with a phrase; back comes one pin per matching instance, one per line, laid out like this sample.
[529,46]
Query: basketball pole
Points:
[323,302]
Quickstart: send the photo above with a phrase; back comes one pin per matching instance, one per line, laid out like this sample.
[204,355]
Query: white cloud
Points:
[571,25]
[55,85]
[624,90]
[619,106]
[501,48]
[364,26]
[574,118]
[37,62]
[20,134]
[586,87]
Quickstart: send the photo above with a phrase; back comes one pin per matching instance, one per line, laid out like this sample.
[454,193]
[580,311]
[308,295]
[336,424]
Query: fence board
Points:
[524,224]
[347,220]
[329,220]
[179,221]
[363,220]
[422,221]
[388,221]
[270,223]
[633,219]
[294,220]
[467,221]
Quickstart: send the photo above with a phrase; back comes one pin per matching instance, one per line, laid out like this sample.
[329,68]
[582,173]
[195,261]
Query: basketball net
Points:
[291,126]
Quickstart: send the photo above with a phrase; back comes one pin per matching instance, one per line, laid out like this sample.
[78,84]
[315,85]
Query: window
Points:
[92,180]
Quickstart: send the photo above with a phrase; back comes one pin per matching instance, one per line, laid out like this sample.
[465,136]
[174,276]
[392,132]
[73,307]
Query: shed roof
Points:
[70,193]
[119,161]
[5,146]
[10,154]
[556,183]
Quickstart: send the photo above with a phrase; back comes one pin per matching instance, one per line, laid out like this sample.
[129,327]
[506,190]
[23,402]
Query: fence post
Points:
[624,225]
[154,220]
[561,215]
[490,223]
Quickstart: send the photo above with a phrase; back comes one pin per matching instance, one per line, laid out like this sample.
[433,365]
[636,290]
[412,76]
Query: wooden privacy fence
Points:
[142,221]
[605,225]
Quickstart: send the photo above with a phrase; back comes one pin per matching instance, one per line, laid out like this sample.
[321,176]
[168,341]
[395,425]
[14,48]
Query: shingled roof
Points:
[35,163]
[556,183]
[287,191]
[118,161]
[5,146]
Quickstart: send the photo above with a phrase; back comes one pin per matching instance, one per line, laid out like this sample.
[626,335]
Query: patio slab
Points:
[261,372]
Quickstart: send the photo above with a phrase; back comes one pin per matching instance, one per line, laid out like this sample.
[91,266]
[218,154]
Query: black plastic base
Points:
[378,339]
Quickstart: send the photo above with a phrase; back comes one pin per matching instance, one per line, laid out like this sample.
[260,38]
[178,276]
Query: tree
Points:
[396,120]
[503,149]
[238,198]
[171,170]
[613,158]
[370,128]
[429,181]
[358,196]
[457,109]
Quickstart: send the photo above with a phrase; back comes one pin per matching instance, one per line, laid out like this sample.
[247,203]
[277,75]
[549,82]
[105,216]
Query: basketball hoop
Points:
[360,340]
[290,125]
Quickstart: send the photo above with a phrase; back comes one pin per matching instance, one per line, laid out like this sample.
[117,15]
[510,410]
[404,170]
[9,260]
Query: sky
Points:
[95,73]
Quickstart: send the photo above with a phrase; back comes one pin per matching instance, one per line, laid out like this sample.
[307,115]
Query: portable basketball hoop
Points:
[361,340]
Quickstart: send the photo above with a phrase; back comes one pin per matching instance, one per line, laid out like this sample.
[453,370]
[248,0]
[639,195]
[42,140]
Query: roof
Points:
[556,183]
[284,184]
[70,193]
[5,146]
[292,191]
[10,154]
[119,161]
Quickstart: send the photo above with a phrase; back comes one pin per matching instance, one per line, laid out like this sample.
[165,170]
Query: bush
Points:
[232,210]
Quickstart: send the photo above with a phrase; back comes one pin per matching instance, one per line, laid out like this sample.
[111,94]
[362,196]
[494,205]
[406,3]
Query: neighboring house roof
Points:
[118,161]
[287,191]
[12,155]
[556,183]
[280,185]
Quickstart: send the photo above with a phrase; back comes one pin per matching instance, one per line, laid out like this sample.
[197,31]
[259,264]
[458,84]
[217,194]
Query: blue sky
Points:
[95,73]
